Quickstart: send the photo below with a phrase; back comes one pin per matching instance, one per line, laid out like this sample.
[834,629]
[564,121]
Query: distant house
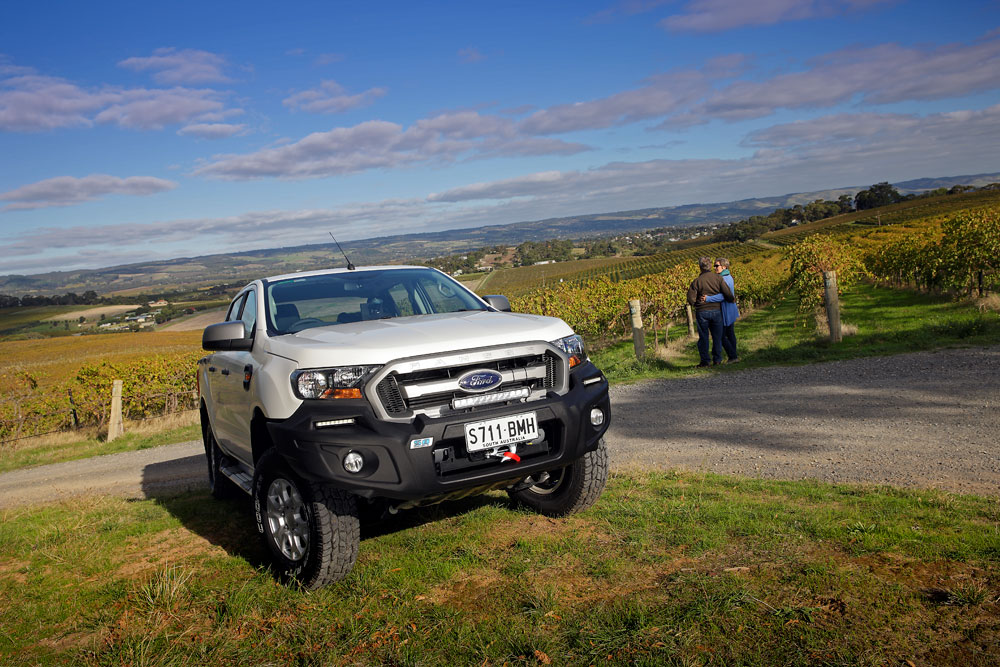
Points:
[158,304]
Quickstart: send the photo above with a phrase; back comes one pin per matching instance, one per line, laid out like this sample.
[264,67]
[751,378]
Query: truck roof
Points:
[323,272]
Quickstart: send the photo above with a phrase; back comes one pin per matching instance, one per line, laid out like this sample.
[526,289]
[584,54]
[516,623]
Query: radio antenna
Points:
[350,267]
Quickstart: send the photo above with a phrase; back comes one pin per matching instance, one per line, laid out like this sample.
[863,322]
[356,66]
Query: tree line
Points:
[877,196]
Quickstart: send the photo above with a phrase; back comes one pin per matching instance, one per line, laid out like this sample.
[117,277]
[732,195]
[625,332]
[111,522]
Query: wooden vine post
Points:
[690,316]
[116,427]
[638,335]
[832,305]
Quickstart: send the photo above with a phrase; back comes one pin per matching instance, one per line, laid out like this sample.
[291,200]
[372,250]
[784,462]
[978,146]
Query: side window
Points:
[249,313]
[234,308]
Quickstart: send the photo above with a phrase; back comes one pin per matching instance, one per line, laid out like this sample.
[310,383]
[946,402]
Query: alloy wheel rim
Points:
[287,519]
[551,485]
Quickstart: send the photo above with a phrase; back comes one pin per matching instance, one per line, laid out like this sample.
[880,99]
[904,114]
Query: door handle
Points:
[211,369]
[225,371]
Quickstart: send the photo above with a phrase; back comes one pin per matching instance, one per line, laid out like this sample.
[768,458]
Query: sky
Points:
[134,131]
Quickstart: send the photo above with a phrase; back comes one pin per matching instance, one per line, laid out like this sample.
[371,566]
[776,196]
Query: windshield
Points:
[295,304]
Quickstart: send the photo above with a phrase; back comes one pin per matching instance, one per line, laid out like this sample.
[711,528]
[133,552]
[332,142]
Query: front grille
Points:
[428,386]
[388,394]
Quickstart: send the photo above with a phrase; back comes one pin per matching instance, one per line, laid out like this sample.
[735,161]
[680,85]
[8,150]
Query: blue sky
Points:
[137,131]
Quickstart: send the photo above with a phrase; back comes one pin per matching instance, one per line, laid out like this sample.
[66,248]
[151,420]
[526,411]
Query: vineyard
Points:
[62,383]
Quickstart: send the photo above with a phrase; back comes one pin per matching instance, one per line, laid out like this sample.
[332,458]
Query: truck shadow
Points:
[230,524]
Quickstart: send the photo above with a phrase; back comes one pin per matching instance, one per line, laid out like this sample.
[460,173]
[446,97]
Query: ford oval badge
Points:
[480,380]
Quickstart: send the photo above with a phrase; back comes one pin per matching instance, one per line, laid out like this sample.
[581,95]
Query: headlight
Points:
[340,382]
[573,346]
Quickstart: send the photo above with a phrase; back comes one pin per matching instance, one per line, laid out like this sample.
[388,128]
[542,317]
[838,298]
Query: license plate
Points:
[501,431]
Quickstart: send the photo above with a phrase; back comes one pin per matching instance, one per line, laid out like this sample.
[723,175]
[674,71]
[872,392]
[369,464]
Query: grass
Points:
[667,568]
[887,322]
[72,446]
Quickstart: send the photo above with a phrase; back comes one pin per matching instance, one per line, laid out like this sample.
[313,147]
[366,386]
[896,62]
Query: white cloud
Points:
[470,55]
[383,145]
[331,97]
[328,59]
[68,190]
[211,130]
[718,15]
[32,102]
[171,66]
[664,94]
[152,109]
[842,76]
[685,98]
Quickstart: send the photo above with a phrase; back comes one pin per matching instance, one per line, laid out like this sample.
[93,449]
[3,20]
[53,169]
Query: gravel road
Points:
[928,419]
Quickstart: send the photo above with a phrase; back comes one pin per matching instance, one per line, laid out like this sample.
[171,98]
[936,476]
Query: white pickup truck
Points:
[392,385]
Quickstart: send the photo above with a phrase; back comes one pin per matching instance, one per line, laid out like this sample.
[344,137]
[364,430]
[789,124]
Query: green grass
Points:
[887,321]
[676,569]
[15,318]
[67,448]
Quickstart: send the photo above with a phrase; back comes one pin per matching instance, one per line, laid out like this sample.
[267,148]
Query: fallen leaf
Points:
[542,658]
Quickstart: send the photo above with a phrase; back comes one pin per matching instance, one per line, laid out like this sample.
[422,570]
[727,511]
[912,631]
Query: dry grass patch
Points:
[990,302]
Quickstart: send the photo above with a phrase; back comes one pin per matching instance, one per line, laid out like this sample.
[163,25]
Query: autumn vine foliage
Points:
[598,308]
[964,256]
[152,386]
[814,255]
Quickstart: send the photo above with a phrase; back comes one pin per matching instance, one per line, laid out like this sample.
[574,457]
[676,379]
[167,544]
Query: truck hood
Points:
[381,341]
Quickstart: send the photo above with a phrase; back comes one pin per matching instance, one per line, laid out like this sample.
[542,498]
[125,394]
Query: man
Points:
[730,311]
[708,314]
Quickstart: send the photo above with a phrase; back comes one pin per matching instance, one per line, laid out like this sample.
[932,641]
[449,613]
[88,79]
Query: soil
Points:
[922,420]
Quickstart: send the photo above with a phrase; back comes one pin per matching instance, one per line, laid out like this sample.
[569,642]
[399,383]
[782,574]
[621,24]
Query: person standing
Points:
[708,314]
[730,311]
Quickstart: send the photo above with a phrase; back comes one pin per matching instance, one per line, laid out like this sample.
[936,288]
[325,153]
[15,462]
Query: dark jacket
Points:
[707,284]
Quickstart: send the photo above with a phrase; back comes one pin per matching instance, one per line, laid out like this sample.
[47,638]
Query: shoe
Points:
[702,365]
[716,363]
[734,361]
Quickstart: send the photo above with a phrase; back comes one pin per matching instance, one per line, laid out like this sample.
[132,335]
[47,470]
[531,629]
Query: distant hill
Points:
[224,268]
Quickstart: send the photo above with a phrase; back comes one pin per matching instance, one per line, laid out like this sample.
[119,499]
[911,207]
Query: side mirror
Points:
[499,302]
[226,336]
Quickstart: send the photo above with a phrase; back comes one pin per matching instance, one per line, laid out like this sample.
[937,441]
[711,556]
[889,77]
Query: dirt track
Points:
[930,419]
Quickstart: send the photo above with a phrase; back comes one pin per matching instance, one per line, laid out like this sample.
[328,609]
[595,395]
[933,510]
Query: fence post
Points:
[690,316]
[638,335]
[656,334]
[72,410]
[116,427]
[832,305]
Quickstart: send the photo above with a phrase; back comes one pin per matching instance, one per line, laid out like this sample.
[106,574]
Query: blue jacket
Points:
[730,311]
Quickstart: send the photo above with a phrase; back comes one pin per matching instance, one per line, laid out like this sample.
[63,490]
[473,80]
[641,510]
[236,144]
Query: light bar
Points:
[487,399]
[334,422]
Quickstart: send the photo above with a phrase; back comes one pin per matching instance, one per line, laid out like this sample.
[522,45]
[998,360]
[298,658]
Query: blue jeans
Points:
[709,324]
[729,341]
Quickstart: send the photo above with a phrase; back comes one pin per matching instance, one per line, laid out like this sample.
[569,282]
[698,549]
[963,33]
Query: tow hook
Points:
[509,455]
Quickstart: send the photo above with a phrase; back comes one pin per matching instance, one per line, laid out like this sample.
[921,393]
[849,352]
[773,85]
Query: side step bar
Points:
[236,473]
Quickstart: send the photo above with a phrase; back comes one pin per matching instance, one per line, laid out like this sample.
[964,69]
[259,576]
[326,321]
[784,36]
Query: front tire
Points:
[310,531]
[571,489]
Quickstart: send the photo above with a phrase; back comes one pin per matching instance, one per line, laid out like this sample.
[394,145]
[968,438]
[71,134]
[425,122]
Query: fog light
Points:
[596,416]
[353,462]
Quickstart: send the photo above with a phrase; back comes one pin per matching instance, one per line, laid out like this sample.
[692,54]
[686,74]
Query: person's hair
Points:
[722,261]
[705,263]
